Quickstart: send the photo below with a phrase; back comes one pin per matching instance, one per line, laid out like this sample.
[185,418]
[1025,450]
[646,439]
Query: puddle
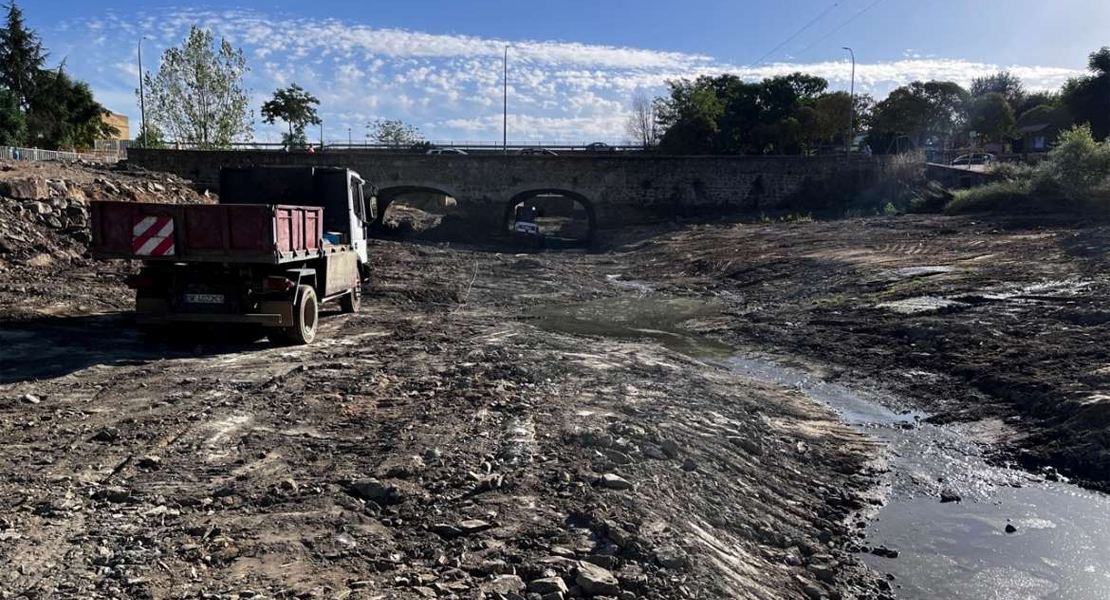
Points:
[924,304]
[921,304]
[952,550]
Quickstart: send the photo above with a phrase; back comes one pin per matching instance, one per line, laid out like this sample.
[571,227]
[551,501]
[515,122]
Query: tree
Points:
[692,116]
[13,125]
[297,108]
[21,56]
[394,133]
[1003,82]
[727,115]
[930,111]
[642,126]
[197,96]
[991,116]
[62,113]
[1087,98]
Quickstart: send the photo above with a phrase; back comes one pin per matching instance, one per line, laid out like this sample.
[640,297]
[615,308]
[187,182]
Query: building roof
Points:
[1033,128]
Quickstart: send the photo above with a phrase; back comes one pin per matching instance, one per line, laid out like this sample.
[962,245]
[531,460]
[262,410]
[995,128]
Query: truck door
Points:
[360,217]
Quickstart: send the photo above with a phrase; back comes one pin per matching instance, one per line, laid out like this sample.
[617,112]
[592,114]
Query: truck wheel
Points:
[351,302]
[305,317]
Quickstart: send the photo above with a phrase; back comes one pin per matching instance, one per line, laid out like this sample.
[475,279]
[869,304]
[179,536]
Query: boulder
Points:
[32,188]
[596,581]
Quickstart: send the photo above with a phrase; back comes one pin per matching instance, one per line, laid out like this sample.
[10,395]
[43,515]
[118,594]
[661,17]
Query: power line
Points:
[841,26]
[799,32]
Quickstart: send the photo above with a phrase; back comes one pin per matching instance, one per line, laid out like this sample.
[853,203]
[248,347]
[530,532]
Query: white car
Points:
[446,151]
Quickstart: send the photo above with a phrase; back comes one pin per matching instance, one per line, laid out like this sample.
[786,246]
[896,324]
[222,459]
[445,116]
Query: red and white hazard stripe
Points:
[152,236]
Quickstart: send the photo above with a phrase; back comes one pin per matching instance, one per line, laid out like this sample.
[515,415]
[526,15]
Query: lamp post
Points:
[505,104]
[851,106]
[349,144]
[142,99]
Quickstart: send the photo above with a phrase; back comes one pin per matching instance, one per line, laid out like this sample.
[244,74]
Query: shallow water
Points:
[1061,546]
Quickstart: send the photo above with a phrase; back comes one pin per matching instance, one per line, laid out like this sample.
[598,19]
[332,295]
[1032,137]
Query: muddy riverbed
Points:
[707,411]
[951,524]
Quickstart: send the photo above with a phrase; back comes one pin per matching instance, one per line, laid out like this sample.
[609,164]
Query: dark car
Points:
[600,148]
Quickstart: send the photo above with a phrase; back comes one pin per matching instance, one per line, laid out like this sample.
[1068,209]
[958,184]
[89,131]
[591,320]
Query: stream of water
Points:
[1057,545]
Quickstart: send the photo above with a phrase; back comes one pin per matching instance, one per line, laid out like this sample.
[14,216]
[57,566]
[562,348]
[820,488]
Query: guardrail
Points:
[17,153]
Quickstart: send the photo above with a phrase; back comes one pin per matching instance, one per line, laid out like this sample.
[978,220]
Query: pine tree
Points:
[21,56]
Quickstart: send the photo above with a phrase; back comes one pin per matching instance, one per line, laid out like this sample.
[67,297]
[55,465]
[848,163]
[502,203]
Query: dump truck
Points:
[280,242]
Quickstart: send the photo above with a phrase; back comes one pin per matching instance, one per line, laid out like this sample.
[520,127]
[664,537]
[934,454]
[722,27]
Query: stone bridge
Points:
[618,189]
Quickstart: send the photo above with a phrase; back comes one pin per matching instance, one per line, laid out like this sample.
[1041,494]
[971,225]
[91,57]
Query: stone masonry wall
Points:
[622,189]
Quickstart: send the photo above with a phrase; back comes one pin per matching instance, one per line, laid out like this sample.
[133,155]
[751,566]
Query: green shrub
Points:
[1078,163]
[997,196]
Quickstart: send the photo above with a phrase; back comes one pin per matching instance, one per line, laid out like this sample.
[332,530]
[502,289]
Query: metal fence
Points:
[16,153]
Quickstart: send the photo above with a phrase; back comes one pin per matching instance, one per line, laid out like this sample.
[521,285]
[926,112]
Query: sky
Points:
[574,65]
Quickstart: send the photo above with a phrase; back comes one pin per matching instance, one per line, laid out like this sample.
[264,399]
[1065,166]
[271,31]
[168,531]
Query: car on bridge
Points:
[600,148]
[438,151]
[537,152]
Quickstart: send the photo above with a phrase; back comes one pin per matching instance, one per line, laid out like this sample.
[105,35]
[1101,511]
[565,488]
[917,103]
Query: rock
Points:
[375,491]
[114,493]
[106,435]
[548,585]
[149,462]
[503,584]
[32,188]
[446,530]
[596,581]
[496,567]
[613,481]
[604,561]
[670,448]
[884,552]
[949,495]
[823,573]
[813,592]
[746,444]
[626,595]
[31,399]
[59,187]
[1010,528]
[473,526]
[553,596]
[653,451]
[670,558]
[689,465]
[40,208]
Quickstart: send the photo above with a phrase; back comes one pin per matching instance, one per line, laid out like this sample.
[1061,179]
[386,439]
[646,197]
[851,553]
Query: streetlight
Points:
[851,105]
[142,101]
[505,104]
[349,143]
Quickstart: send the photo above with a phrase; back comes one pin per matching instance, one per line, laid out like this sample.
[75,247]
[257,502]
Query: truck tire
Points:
[350,303]
[306,315]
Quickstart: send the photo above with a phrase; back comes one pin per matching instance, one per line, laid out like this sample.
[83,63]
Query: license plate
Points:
[204,298]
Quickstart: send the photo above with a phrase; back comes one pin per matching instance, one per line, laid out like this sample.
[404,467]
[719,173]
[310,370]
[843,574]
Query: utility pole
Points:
[851,106]
[321,134]
[505,104]
[142,100]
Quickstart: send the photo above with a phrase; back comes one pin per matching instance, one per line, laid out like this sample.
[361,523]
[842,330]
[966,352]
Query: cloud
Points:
[451,84]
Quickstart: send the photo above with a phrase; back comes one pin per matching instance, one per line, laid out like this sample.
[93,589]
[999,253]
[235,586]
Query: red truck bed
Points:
[258,233]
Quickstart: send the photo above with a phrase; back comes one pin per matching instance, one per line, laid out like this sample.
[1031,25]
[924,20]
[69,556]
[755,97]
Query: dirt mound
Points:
[44,222]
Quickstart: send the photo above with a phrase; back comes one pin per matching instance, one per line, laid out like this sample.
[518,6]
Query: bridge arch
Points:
[533,193]
[391,192]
